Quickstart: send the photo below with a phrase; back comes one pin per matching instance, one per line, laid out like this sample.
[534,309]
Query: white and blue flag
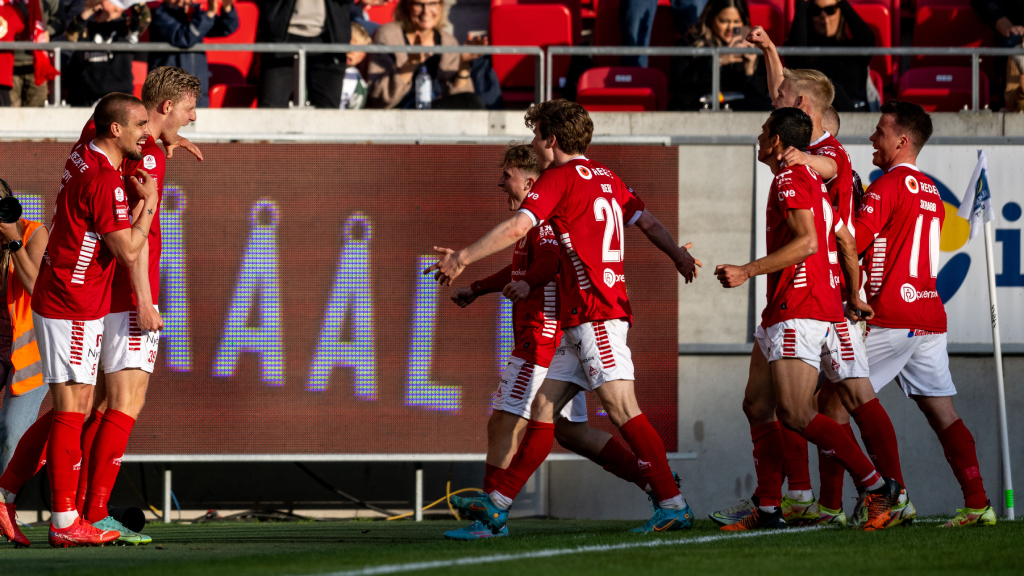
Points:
[976,207]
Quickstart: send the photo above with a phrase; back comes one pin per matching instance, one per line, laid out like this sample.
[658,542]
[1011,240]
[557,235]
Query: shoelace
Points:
[877,506]
[743,506]
[753,520]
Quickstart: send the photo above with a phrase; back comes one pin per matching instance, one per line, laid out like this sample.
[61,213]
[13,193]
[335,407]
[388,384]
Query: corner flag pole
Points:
[997,352]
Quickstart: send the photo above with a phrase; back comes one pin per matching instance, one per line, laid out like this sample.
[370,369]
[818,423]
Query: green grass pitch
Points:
[226,549]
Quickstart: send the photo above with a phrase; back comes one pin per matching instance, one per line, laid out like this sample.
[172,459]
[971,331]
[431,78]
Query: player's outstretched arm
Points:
[773,64]
[453,262]
[148,318]
[856,309]
[656,232]
[823,165]
[803,244]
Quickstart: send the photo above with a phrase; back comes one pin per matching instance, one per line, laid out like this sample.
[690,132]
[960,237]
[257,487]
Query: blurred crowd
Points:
[440,80]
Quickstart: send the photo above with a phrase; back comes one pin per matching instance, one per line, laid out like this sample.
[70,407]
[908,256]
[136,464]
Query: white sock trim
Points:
[675,503]
[7,497]
[500,500]
[61,520]
[801,495]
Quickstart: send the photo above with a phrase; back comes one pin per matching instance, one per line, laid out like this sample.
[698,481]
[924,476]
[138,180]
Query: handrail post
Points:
[716,79]
[548,75]
[300,84]
[975,81]
[56,79]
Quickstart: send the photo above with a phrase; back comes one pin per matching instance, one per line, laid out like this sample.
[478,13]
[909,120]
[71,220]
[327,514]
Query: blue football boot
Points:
[475,531]
[665,520]
[480,508]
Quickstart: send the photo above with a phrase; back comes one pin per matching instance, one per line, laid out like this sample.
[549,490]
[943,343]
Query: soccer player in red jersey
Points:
[796,323]
[588,207]
[900,223]
[530,281]
[91,230]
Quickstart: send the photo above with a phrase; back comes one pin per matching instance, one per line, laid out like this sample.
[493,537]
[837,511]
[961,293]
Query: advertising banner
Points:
[296,317]
[961,281]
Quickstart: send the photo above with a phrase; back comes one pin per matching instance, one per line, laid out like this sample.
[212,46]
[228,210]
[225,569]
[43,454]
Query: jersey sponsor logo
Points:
[584,172]
[868,209]
[911,294]
[603,172]
[149,162]
[533,196]
[610,278]
[926,205]
[783,194]
[926,187]
[119,194]
[912,333]
[77,160]
[912,184]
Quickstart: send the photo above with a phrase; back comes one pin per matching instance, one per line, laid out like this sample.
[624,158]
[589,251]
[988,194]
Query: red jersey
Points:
[840,186]
[807,289]
[153,161]
[534,320]
[903,212]
[589,208]
[77,268]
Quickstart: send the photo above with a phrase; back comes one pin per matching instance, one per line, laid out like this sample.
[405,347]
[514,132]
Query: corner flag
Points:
[977,204]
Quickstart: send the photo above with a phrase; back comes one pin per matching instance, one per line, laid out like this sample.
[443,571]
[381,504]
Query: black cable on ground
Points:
[344,495]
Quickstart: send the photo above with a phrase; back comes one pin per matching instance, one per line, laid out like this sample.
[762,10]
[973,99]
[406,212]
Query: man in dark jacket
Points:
[93,72]
[303,22]
[1005,16]
[183,24]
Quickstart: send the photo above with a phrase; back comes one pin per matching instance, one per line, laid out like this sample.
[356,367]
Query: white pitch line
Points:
[473,560]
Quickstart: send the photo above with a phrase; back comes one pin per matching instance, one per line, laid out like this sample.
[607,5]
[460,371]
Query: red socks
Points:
[534,448]
[650,454]
[64,454]
[879,438]
[618,460]
[92,425]
[794,460]
[832,440]
[832,476]
[29,456]
[958,446]
[108,448]
[492,477]
[768,453]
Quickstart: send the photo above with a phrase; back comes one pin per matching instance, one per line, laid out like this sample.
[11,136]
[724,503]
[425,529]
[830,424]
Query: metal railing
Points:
[974,53]
[301,52]
[543,72]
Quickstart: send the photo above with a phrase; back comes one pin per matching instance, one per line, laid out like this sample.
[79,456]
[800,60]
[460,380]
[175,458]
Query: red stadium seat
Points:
[233,67]
[381,14]
[608,32]
[941,88]
[876,79]
[620,89]
[769,16]
[574,6]
[948,23]
[222,96]
[140,68]
[877,17]
[528,25]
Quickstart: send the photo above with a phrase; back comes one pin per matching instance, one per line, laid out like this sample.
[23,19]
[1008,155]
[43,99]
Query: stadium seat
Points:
[769,16]
[381,14]
[878,18]
[528,25]
[620,89]
[232,68]
[608,32]
[140,68]
[876,79]
[222,96]
[948,23]
[574,6]
[941,88]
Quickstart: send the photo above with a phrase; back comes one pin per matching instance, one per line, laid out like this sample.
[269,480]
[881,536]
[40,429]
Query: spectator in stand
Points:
[91,75]
[1007,18]
[303,22]
[359,15]
[391,76]
[11,23]
[636,18]
[353,91]
[25,92]
[1014,93]
[184,24]
[832,24]
[742,76]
